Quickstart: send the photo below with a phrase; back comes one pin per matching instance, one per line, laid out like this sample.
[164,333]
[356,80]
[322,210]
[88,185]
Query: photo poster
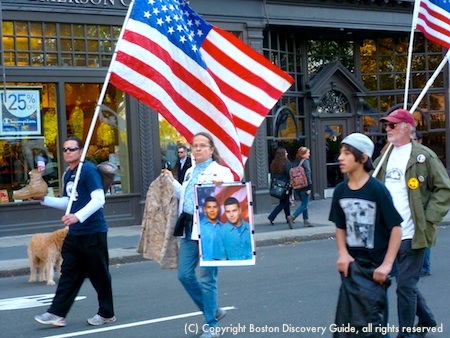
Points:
[226,224]
[20,111]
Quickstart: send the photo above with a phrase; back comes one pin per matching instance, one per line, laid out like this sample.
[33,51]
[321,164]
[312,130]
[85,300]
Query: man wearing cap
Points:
[368,236]
[420,188]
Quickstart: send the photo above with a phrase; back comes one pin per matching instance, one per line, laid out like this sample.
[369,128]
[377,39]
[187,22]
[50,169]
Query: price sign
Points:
[20,112]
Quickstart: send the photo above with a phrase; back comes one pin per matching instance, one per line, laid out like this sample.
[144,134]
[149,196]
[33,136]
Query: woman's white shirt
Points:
[214,172]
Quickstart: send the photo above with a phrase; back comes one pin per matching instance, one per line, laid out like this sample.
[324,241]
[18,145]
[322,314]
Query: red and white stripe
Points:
[229,100]
[434,22]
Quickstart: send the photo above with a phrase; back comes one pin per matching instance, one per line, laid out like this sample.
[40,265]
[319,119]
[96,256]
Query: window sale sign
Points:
[20,113]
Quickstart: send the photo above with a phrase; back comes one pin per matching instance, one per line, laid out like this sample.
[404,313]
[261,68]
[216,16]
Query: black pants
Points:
[84,256]
[361,301]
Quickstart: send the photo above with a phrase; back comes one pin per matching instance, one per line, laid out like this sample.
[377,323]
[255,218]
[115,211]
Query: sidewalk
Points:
[123,241]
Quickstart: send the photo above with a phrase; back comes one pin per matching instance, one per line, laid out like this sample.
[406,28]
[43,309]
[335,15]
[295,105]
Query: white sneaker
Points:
[220,313]
[209,334]
[99,320]
[50,319]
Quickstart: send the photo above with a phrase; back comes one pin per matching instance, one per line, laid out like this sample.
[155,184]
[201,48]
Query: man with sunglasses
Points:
[85,249]
[184,162]
[420,189]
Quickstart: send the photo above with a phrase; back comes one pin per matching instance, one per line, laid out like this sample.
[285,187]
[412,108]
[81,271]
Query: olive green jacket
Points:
[430,200]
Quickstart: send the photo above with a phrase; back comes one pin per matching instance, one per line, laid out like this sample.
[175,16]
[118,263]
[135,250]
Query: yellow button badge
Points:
[413,183]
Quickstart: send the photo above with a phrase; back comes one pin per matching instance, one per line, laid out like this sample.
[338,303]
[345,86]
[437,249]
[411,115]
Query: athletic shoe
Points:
[50,319]
[220,313]
[99,320]
[209,334]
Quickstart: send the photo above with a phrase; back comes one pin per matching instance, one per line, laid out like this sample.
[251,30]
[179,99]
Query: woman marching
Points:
[203,291]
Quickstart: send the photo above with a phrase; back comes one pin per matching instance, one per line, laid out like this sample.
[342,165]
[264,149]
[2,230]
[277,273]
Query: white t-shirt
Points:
[396,184]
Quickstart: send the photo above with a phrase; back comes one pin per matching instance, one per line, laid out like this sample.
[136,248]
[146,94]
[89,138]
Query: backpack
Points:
[298,176]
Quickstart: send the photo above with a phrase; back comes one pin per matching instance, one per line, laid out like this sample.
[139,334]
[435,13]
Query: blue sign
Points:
[20,113]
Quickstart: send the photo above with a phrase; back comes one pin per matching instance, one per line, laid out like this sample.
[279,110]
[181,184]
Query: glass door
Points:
[332,133]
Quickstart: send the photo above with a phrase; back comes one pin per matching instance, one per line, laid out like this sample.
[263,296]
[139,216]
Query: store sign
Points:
[125,3]
[20,112]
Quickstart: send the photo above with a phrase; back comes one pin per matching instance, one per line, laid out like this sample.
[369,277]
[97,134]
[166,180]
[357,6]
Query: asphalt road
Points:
[291,291]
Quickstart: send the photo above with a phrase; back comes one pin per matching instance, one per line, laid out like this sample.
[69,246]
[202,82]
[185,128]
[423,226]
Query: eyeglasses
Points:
[390,125]
[71,149]
[201,145]
[180,152]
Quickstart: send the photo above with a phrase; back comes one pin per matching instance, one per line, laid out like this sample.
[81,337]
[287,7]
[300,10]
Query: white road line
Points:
[124,326]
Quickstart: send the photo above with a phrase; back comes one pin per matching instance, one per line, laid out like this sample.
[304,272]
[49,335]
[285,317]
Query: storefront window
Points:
[36,44]
[28,132]
[170,140]
[109,139]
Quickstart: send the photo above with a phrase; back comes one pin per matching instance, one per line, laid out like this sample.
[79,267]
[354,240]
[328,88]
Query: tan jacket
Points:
[158,223]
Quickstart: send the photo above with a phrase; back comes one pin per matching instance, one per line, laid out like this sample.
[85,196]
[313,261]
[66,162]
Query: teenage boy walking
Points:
[368,236]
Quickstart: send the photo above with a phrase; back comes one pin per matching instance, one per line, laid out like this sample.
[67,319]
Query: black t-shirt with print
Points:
[368,216]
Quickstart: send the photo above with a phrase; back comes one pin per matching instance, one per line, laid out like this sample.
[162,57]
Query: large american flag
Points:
[199,77]
[433,19]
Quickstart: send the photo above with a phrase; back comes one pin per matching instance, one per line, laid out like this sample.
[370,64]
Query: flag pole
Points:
[410,51]
[97,111]
[416,104]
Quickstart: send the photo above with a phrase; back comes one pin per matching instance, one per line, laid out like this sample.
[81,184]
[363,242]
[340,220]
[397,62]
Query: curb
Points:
[124,256]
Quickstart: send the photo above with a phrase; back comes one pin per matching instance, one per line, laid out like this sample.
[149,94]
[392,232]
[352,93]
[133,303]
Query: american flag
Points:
[433,19]
[197,76]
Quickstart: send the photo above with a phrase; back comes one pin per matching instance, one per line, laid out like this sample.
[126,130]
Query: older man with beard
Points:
[420,188]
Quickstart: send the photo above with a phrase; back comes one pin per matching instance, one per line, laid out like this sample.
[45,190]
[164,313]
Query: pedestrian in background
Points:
[420,188]
[184,162]
[303,194]
[279,169]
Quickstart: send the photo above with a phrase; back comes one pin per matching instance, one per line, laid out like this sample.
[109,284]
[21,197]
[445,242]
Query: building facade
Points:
[348,59]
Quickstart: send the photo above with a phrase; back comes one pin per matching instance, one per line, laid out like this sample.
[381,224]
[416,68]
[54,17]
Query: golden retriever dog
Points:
[44,252]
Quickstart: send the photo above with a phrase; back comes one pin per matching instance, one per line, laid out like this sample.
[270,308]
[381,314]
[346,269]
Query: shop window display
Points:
[21,152]
[23,146]
[109,140]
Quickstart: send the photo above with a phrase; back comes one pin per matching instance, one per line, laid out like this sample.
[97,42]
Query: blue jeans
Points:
[203,293]
[426,268]
[283,205]
[303,208]
[409,299]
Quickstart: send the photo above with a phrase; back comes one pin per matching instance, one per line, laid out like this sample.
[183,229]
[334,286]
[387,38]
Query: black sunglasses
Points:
[390,125]
[71,149]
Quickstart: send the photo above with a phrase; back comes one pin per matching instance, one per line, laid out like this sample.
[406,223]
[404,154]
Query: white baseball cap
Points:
[360,142]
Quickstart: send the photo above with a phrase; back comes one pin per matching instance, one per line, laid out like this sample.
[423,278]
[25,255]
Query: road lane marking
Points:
[26,302]
[124,326]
